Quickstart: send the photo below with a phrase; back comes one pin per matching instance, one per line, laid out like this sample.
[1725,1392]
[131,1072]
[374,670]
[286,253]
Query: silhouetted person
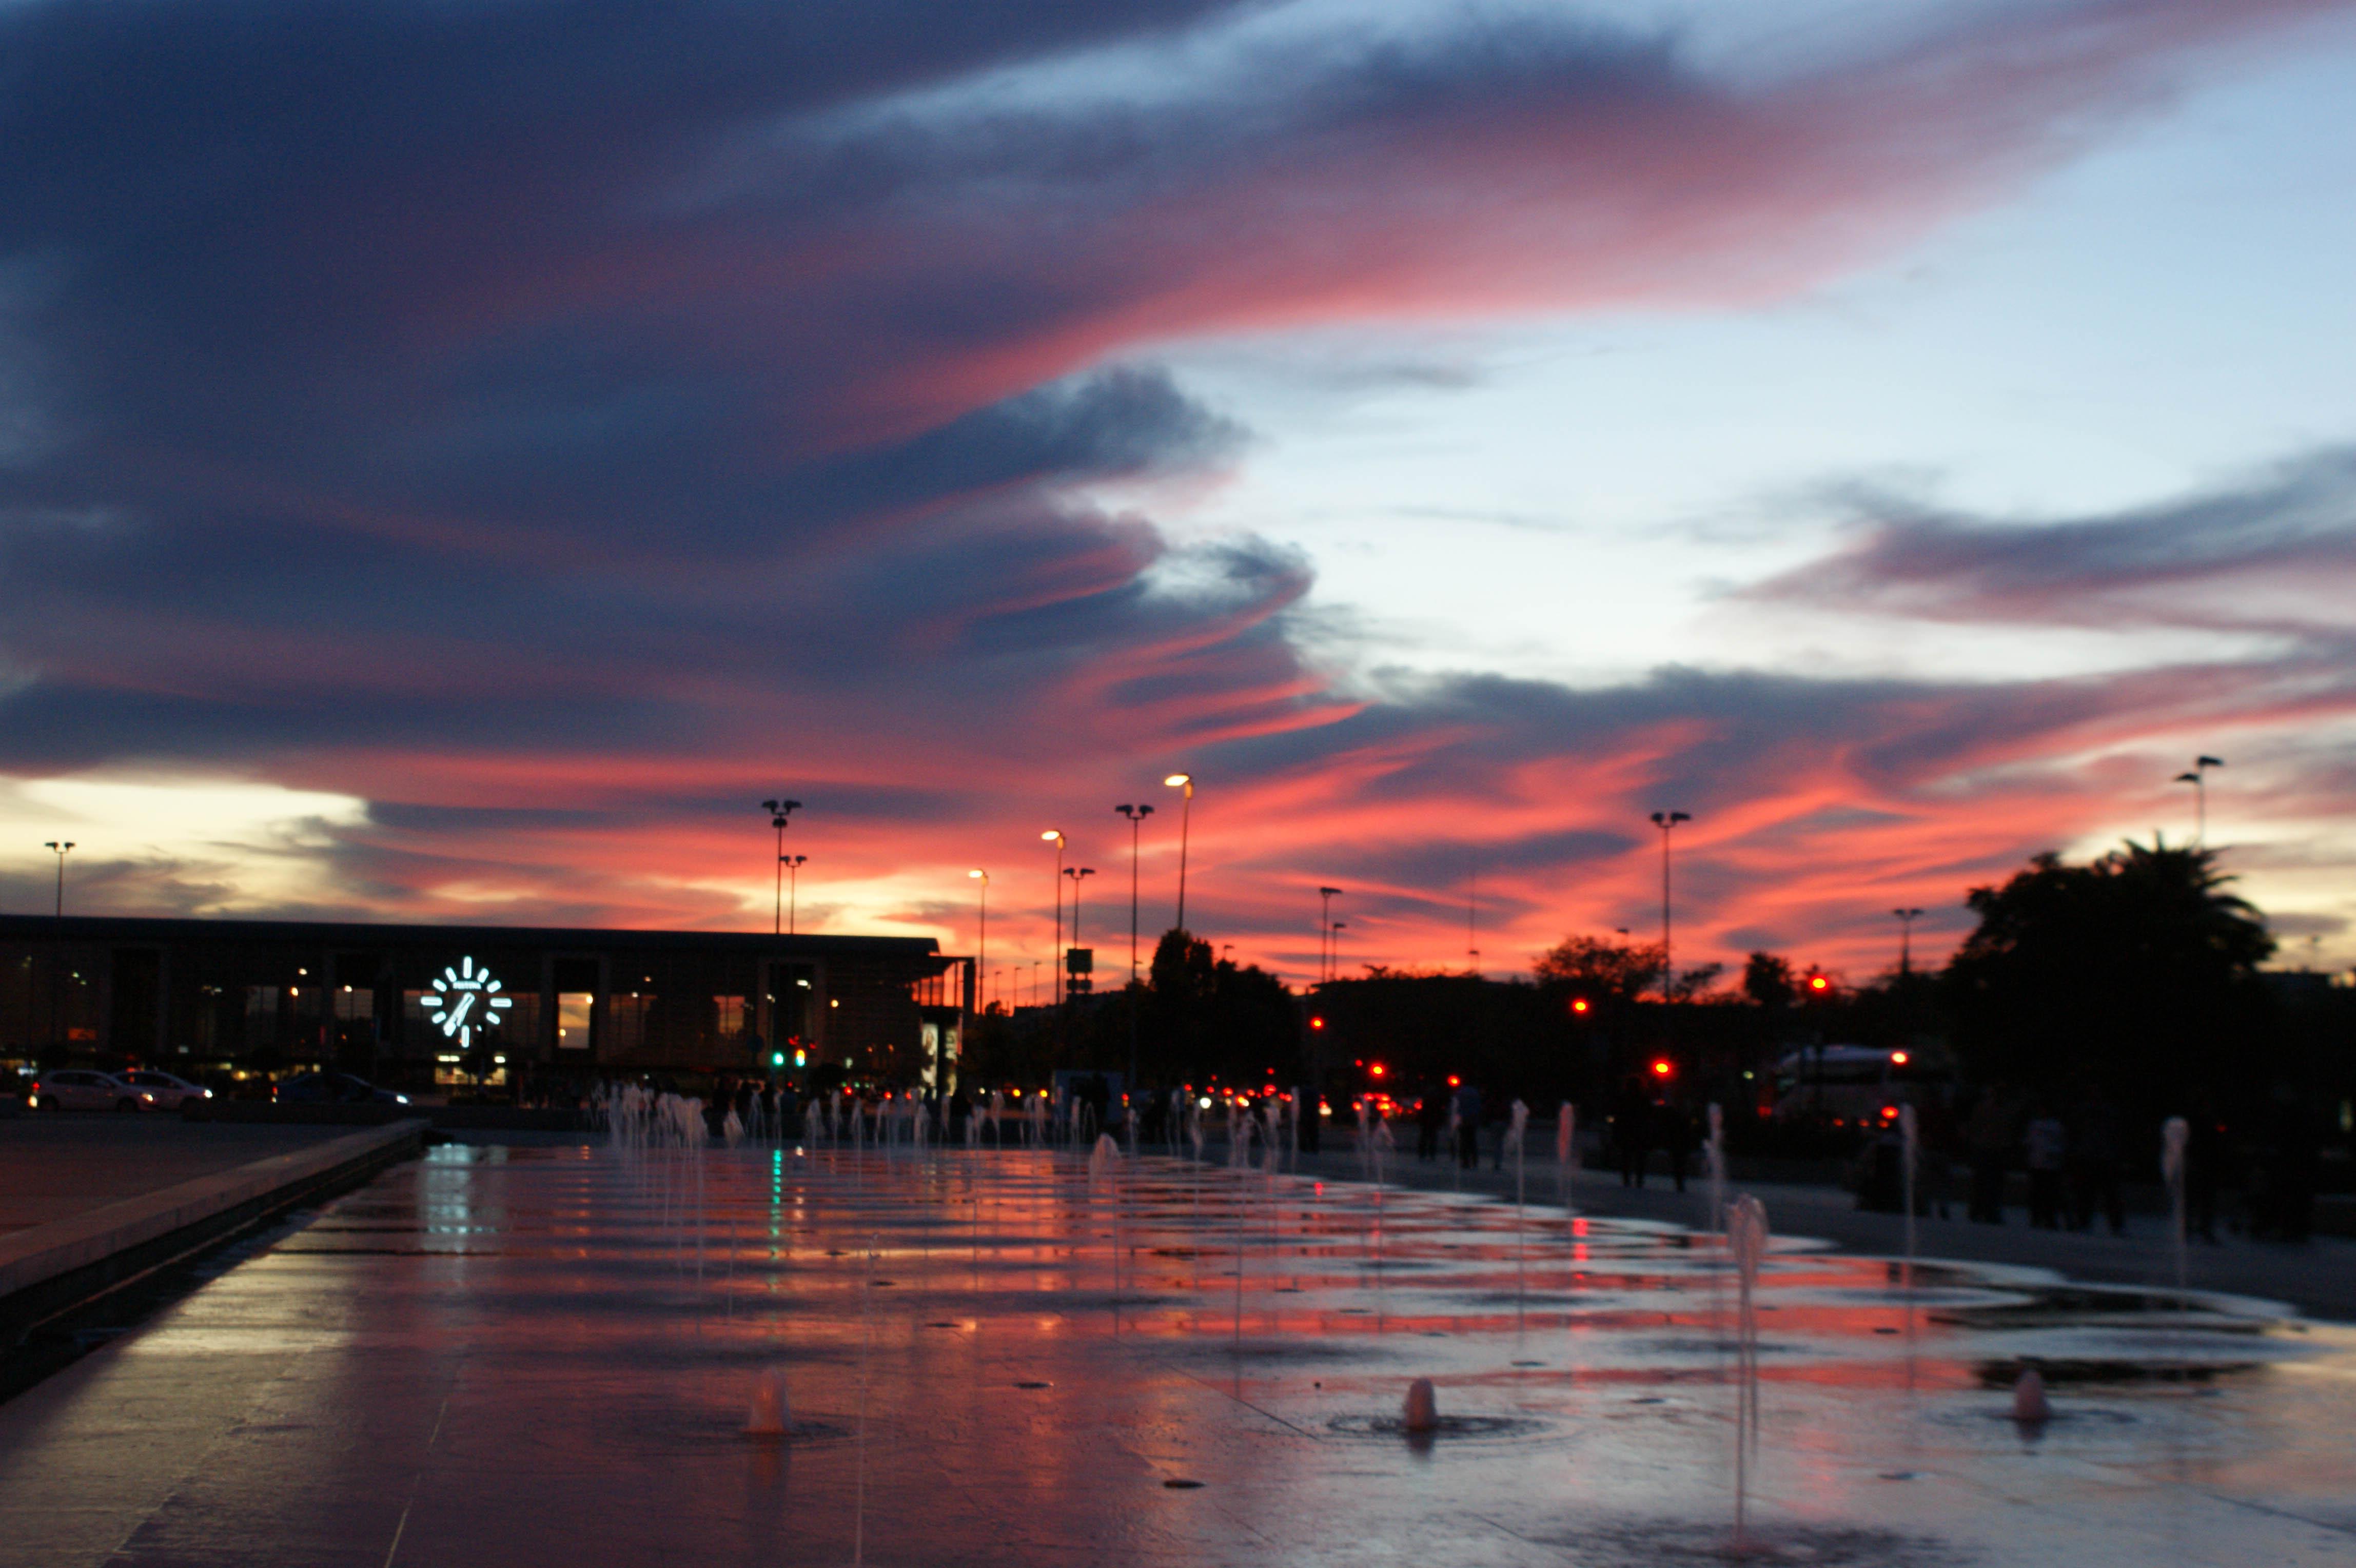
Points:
[2046,1145]
[2092,1160]
[1430,1118]
[1468,1127]
[1674,1129]
[1632,1133]
[2205,1152]
[1987,1144]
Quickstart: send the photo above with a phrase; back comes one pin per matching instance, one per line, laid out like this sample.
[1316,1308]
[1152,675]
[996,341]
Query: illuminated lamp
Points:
[777,1058]
[1374,1071]
[1663,1067]
[1578,1005]
[1316,1023]
[1890,1113]
[1819,984]
[1453,1080]
[1899,1059]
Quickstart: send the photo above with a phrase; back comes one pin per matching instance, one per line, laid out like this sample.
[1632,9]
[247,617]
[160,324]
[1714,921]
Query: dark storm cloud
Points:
[2275,553]
[610,409]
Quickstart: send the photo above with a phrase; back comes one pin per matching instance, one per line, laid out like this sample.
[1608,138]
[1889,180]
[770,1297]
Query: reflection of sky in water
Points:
[552,1350]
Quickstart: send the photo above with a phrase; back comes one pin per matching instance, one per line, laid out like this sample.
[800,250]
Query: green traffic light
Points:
[777,1058]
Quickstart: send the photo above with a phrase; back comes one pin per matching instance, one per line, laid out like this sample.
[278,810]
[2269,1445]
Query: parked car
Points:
[332,1088]
[81,1089]
[171,1093]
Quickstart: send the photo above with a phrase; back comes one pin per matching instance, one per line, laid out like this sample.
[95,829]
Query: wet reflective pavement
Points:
[524,1356]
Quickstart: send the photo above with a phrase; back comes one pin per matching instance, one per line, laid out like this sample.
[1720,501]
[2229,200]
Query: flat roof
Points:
[366,934]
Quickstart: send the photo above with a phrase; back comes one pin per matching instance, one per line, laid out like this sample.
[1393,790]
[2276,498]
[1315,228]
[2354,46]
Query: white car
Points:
[171,1093]
[79,1089]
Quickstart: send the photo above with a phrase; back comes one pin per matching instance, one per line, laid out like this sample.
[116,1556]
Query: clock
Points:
[466,999]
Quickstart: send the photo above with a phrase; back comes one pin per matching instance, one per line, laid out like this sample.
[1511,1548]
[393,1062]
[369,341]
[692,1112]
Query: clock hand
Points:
[458,1014]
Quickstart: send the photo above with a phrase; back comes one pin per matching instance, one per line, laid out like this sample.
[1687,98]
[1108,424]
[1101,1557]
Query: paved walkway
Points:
[2318,1278]
[55,1166]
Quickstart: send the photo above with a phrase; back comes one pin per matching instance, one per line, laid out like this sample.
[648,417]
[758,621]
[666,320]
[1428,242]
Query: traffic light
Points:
[1663,1067]
[1579,1005]
[1820,985]
[1316,1023]
[777,1058]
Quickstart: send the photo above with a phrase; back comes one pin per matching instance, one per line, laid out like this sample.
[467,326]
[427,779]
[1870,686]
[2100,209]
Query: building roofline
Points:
[360,933]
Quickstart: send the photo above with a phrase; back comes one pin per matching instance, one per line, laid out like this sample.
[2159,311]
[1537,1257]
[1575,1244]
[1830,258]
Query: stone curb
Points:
[46,1268]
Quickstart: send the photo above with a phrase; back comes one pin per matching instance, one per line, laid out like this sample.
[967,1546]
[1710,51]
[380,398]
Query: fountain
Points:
[766,1417]
[1566,1148]
[603,1382]
[2174,1134]
[1714,1157]
[1910,1154]
[1746,1234]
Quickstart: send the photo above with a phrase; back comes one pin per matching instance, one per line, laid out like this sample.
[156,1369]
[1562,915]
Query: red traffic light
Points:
[1663,1067]
[1819,984]
[1374,1070]
[1316,1023]
[1578,1005]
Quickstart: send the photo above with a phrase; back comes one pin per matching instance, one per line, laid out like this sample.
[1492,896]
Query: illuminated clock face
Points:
[466,999]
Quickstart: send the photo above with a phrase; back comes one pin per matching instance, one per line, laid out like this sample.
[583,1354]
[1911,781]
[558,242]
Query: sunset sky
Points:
[457,461]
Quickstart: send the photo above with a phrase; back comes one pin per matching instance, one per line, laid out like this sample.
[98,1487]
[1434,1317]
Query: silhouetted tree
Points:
[1601,969]
[1767,980]
[2136,973]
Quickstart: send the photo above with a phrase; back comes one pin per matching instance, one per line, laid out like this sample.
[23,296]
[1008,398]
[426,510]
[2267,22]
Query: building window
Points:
[573,1010]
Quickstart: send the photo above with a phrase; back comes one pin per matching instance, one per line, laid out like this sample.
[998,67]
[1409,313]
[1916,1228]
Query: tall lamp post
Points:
[2199,779]
[1334,938]
[778,812]
[982,936]
[63,848]
[1136,815]
[1325,896]
[1667,821]
[1906,919]
[1185,816]
[1078,874]
[1055,837]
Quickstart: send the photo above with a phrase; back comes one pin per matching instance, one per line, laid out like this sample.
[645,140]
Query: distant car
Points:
[171,1093]
[81,1089]
[333,1088]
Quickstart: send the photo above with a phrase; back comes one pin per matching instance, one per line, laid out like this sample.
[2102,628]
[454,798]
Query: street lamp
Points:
[1906,919]
[1185,815]
[778,812]
[981,937]
[1667,821]
[1136,815]
[1056,838]
[61,847]
[2198,778]
[794,864]
[1077,873]
[1325,896]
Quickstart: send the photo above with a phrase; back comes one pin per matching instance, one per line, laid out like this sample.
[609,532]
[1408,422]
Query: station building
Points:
[458,1006]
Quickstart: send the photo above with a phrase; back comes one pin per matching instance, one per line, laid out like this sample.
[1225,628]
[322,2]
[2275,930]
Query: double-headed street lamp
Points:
[1906,919]
[2199,779]
[1667,821]
[62,847]
[778,812]
[1185,816]
[793,865]
[1136,815]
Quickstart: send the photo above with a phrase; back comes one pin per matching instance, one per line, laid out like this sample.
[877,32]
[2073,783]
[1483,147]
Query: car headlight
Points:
[209,1094]
[401,1100]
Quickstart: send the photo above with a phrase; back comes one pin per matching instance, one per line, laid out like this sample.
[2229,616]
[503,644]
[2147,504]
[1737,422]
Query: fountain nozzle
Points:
[1421,1410]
